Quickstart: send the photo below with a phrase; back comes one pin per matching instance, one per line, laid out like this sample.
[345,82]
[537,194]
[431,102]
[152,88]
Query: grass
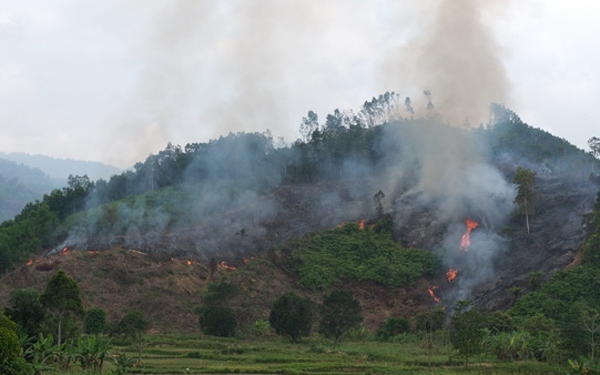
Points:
[196,354]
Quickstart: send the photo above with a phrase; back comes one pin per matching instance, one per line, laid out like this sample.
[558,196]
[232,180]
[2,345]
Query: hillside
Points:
[60,169]
[239,198]
[19,185]
[167,289]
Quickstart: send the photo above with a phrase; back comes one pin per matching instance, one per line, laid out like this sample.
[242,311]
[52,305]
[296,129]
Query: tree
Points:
[26,310]
[392,327]
[217,321]
[134,326]
[94,321]
[467,330]
[525,199]
[594,144]
[591,323]
[340,312]
[62,298]
[309,125]
[11,354]
[292,316]
[216,318]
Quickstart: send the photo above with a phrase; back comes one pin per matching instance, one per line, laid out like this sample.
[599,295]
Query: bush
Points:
[94,321]
[217,321]
[325,258]
[340,312]
[430,321]
[393,327]
[292,316]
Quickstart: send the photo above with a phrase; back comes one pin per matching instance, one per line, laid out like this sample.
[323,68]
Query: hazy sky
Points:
[115,80]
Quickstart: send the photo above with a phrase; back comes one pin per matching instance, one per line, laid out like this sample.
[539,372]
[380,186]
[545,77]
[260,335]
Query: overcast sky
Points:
[115,80]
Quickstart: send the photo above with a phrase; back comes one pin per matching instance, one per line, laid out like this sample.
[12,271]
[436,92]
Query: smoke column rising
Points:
[455,56]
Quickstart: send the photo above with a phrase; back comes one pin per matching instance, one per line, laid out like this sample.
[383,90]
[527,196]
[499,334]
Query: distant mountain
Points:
[20,184]
[60,169]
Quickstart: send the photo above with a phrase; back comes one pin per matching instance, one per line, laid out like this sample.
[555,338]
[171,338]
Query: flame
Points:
[432,293]
[65,250]
[245,260]
[466,238]
[451,274]
[224,266]
[189,262]
[92,252]
[361,226]
[30,262]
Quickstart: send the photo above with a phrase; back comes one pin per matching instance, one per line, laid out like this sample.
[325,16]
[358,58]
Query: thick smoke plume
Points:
[458,63]
[455,57]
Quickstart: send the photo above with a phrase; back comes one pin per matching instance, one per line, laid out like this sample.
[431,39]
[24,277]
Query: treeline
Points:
[348,144]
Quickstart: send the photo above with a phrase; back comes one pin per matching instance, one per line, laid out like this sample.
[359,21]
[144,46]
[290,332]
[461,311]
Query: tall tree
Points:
[292,316]
[62,298]
[340,312]
[308,125]
[134,325]
[525,199]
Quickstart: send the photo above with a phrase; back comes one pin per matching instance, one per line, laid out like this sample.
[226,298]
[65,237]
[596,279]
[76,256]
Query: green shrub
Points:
[370,254]
[292,316]
[94,321]
[393,327]
[217,321]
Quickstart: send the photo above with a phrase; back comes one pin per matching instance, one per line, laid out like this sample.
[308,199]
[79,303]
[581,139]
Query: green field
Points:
[196,354]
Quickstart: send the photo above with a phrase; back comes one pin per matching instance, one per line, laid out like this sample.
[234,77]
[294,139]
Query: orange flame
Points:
[224,266]
[245,260]
[189,262]
[466,238]
[361,226]
[451,274]
[432,293]
[30,262]
[65,250]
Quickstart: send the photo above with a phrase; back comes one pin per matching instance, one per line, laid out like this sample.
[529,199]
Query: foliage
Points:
[217,320]
[92,351]
[431,320]
[392,327]
[525,199]
[26,310]
[62,297]
[94,321]
[340,312]
[325,258]
[292,316]
[498,322]
[11,354]
[591,249]
[467,330]
[134,325]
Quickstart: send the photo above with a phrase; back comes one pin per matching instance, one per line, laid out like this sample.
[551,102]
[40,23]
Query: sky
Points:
[116,80]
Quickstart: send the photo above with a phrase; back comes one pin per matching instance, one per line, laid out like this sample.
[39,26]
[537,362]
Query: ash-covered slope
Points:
[559,228]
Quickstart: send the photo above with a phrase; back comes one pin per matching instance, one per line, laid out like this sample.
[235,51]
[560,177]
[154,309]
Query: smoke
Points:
[454,56]
[163,98]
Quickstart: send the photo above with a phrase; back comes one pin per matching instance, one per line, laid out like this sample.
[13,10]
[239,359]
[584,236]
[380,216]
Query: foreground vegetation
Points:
[193,354]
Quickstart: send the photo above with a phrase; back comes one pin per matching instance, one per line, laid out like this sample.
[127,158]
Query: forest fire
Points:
[361,226]
[224,266]
[432,293]
[65,250]
[30,262]
[466,238]
[188,262]
[451,274]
